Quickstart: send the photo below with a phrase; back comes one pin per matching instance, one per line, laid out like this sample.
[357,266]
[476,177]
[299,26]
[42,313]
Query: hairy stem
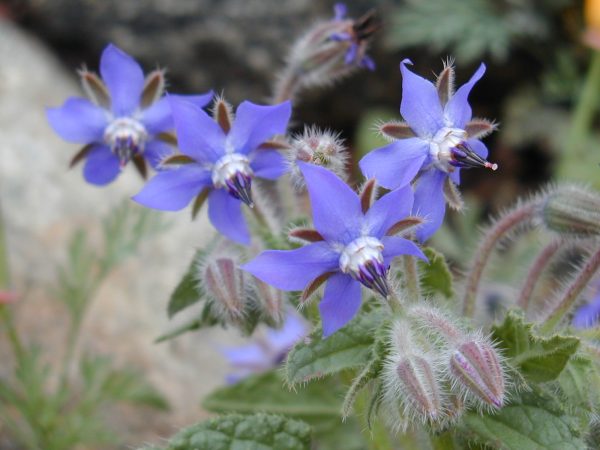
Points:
[411,277]
[535,272]
[572,293]
[286,87]
[584,109]
[517,216]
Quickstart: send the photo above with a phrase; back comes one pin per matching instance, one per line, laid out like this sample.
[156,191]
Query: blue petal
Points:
[255,124]
[478,147]
[124,79]
[341,302]
[339,10]
[155,151]
[337,213]
[388,210]
[101,166]
[173,189]
[458,111]
[158,118]
[455,176]
[247,356]
[225,213]
[368,63]
[420,104]
[78,120]
[395,245]
[292,270]
[587,315]
[268,164]
[396,164]
[294,328]
[351,54]
[430,202]
[198,135]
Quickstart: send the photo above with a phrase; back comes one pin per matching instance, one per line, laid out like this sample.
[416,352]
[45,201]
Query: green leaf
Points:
[532,421]
[206,319]
[189,290]
[580,382]
[244,432]
[349,347]
[266,392]
[539,359]
[435,276]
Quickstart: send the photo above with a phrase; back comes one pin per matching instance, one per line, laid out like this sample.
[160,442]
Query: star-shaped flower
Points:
[353,243]
[219,159]
[267,351]
[122,122]
[437,140]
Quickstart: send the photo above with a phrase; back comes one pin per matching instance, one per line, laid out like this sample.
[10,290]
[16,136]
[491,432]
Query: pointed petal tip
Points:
[404,62]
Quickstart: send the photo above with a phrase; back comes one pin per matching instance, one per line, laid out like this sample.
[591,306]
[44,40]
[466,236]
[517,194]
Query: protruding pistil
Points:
[463,156]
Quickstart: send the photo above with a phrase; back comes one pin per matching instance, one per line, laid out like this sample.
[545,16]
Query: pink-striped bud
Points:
[224,283]
[270,302]
[420,387]
[475,368]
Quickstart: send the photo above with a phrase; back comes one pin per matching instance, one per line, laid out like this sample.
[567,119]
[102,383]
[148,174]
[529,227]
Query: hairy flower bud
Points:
[225,286]
[269,302]
[571,211]
[322,148]
[475,367]
[413,382]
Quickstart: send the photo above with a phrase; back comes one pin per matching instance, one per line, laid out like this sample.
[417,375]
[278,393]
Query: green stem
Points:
[5,312]
[411,277]
[572,293]
[377,437]
[584,109]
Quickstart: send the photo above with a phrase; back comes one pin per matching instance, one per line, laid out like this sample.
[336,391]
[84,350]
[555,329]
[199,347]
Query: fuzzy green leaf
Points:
[580,382]
[349,347]
[435,276]
[244,432]
[538,358]
[266,392]
[533,421]
[189,290]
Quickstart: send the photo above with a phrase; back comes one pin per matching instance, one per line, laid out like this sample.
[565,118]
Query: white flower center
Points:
[359,252]
[126,137]
[228,167]
[440,147]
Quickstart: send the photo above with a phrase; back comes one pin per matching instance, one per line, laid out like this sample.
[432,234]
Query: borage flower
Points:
[219,160]
[588,315]
[351,245]
[267,351]
[123,121]
[356,34]
[437,140]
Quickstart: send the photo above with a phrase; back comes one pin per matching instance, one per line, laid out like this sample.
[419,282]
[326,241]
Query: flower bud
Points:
[224,284]
[269,302]
[571,211]
[476,369]
[322,148]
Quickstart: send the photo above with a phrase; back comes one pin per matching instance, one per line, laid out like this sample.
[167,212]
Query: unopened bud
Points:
[224,284]
[572,211]
[270,302]
[420,387]
[475,367]
[322,148]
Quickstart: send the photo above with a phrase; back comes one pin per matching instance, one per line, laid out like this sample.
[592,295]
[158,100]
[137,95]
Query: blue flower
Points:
[221,162]
[121,129]
[439,140]
[267,351]
[587,315]
[356,33]
[352,247]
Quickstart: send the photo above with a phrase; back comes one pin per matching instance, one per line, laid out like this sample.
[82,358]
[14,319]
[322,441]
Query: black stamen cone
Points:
[464,156]
[240,187]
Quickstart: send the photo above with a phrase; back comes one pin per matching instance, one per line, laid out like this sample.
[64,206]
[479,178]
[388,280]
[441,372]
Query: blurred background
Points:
[537,64]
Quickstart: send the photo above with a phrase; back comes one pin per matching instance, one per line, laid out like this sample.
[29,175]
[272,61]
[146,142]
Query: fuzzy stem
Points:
[572,293]
[484,251]
[411,277]
[286,87]
[395,304]
[584,109]
[535,272]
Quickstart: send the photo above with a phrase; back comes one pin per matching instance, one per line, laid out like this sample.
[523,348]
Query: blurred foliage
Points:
[471,29]
[51,407]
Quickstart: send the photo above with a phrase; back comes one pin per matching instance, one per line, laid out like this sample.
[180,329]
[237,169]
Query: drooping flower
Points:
[356,33]
[438,139]
[219,160]
[123,120]
[267,351]
[349,247]
[587,315]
